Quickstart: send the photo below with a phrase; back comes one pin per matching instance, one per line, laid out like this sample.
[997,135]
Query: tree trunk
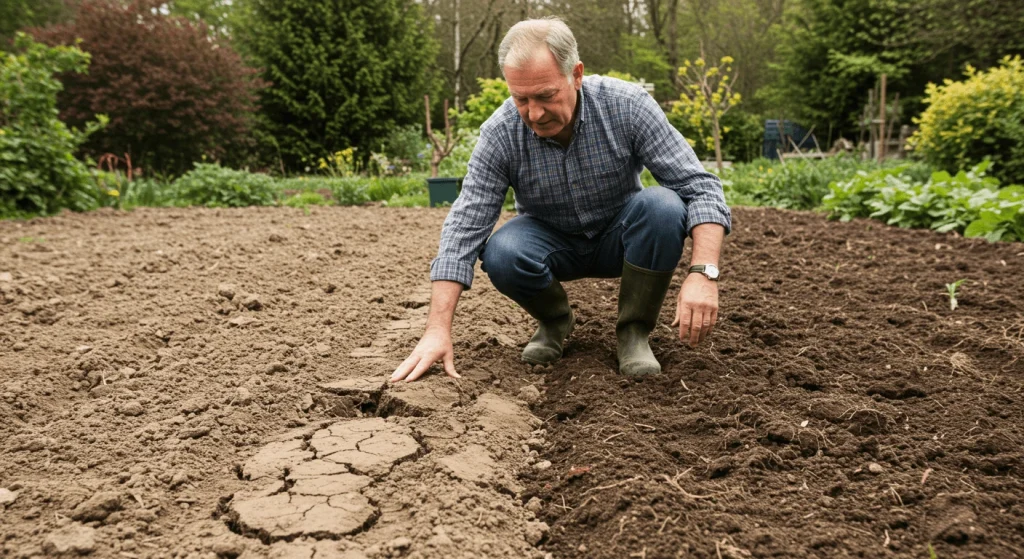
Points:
[458,56]
[716,133]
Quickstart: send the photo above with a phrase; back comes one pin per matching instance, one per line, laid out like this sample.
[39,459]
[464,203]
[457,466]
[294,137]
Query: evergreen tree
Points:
[342,73]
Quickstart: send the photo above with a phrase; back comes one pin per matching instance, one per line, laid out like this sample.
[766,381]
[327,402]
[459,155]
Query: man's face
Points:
[545,98]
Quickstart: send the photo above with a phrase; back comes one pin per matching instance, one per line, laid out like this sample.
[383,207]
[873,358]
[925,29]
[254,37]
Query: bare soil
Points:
[210,383]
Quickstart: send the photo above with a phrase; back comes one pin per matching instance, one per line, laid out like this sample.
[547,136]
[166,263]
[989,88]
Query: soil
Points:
[211,383]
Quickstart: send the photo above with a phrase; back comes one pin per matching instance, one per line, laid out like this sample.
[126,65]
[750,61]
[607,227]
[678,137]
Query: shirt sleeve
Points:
[475,211]
[669,157]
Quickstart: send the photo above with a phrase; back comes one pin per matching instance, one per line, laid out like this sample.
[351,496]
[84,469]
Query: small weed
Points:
[951,291]
[31,240]
[931,552]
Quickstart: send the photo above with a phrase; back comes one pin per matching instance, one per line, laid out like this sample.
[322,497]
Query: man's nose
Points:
[536,112]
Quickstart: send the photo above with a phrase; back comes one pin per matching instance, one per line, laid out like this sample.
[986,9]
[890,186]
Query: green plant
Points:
[349,191]
[406,146]
[708,96]
[967,202]
[341,74]
[480,107]
[305,199]
[457,163]
[38,171]
[951,292]
[214,186]
[978,118]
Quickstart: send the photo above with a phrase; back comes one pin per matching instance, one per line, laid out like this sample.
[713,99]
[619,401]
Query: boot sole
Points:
[572,325]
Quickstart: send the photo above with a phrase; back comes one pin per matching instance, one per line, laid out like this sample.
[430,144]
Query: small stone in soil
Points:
[875,468]
[307,401]
[7,497]
[535,532]
[226,290]
[276,368]
[132,409]
[542,465]
[19,346]
[529,394]
[242,396]
[70,540]
[98,507]
[252,302]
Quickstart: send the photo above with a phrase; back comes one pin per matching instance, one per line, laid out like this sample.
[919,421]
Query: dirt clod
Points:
[73,539]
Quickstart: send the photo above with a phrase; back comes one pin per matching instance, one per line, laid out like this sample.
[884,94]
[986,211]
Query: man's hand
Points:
[434,346]
[697,311]
[436,343]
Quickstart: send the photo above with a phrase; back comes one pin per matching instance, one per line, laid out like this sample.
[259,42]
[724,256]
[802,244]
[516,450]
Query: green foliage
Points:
[16,15]
[305,199]
[342,74]
[968,202]
[214,186]
[457,163]
[742,143]
[980,117]
[348,191]
[480,107]
[408,147]
[831,55]
[38,171]
[799,184]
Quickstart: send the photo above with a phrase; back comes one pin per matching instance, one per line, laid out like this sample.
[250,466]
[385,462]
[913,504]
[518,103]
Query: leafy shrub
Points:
[799,184]
[342,73]
[173,93]
[480,107]
[349,191]
[38,170]
[980,117]
[407,146]
[214,186]
[386,188]
[968,202]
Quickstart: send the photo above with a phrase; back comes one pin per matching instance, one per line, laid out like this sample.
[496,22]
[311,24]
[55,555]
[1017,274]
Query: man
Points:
[573,149]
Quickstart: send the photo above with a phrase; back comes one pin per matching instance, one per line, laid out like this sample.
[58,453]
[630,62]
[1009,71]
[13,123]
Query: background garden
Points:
[108,103]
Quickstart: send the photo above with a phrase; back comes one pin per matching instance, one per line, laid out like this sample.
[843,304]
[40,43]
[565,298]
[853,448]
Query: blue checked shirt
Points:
[578,190]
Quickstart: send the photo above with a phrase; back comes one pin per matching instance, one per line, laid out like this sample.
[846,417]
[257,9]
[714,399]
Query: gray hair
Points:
[525,37]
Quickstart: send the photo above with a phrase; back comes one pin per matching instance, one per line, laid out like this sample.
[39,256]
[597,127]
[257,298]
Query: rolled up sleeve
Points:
[669,157]
[475,211]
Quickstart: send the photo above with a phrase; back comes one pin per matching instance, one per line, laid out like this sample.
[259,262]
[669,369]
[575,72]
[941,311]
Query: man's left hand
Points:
[697,311]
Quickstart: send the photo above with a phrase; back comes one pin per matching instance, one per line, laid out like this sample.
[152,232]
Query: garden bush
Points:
[214,186]
[38,171]
[980,117]
[173,93]
[342,74]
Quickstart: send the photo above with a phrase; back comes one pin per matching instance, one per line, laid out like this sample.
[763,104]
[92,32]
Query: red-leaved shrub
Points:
[173,93]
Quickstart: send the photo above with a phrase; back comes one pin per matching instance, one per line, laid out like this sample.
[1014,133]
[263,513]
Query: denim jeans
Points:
[525,255]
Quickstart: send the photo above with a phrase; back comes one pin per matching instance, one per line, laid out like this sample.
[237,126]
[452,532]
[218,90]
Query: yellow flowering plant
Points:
[707,96]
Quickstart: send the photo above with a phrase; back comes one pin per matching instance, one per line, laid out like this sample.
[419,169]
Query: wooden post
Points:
[881,123]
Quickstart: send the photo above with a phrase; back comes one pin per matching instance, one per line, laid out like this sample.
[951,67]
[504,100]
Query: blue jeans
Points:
[525,255]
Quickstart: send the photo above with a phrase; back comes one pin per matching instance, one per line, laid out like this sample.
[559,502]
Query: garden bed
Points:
[841,408]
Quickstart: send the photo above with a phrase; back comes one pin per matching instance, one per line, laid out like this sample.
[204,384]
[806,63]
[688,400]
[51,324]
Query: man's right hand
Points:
[434,346]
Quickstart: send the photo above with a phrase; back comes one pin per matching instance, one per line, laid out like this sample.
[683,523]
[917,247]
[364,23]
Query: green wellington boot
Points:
[551,308]
[640,297]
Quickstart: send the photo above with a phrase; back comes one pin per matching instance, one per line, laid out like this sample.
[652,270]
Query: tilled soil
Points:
[209,383]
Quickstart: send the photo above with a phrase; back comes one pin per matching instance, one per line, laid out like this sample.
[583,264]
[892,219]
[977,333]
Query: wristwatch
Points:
[710,271]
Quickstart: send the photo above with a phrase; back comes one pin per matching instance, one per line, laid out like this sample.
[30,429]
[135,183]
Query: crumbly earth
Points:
[212,383]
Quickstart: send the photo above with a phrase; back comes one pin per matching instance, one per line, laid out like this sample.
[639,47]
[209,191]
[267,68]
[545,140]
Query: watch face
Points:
[712,271]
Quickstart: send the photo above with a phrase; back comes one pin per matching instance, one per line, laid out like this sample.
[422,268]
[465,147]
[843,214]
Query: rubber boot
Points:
[551,308]
[640,297]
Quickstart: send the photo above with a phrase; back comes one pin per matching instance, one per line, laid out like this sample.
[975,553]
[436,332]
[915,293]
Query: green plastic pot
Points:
[443,190]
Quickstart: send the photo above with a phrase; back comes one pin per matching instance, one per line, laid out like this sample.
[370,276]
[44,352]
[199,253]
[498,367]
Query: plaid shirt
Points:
[578,190]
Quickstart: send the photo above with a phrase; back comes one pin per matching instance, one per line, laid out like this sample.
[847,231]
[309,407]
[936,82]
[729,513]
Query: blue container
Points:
[774,142]
[443,191]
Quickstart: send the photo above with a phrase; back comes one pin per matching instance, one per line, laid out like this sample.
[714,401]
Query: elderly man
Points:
[573,149]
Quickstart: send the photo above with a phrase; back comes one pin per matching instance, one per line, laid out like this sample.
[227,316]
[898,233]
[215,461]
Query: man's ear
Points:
[577,75]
